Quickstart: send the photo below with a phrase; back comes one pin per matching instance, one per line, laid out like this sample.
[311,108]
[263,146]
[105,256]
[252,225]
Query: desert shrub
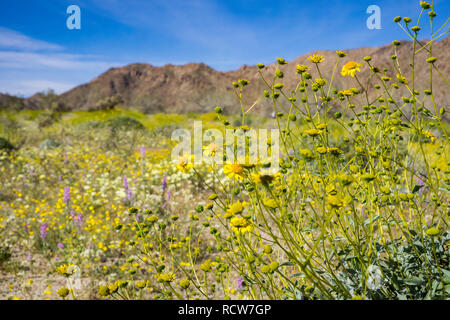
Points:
[5,145]
[49,144]
[125,123]
[92,124]
[47,118]
[5,254]
[107,103]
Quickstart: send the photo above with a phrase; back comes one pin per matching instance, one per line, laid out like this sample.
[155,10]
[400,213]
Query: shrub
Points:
[5,145]
[125,123]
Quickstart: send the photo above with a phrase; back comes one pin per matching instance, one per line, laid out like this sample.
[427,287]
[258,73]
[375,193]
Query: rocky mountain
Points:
[198,88]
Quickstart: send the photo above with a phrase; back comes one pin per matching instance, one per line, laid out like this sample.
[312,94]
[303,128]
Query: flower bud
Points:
[425,5]
[281,61]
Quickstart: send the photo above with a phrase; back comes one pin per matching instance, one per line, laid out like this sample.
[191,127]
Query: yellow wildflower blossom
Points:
[234,171]
[315,58]
[240,225]
[350,68]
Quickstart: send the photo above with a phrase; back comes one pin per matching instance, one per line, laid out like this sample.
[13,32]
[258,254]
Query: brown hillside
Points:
[198,88]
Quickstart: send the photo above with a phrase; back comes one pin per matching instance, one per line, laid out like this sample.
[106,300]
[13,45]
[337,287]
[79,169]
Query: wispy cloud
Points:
[30,65]
[31,60]
[33,86]
[10,39]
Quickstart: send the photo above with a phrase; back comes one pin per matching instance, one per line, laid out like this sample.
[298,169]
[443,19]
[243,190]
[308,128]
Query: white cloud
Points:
[27,88]
[10,39]
[33,86]
[27,63]
[32,60]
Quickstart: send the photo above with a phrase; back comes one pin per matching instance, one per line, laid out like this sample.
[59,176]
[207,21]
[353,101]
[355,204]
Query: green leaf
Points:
[417,188]
[446,276]
[447,289]
[298,275]
[415,281]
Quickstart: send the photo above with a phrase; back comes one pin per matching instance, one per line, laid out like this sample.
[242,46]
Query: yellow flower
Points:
[334,202]
[301,68]
[206,266]
[271,203]
[321,82]
[234,171]
[63,292]
[322,150]
[306,154]
[184,284]
[234,209]
[211,150]
[261,178]
[240,225]
[429,135]
[350,68]
[167,277]
[345,179]
[347,93]
[315,58]
[66,270]
[103,291]
[335,151]
[401,79]
[184,165]
[313,132]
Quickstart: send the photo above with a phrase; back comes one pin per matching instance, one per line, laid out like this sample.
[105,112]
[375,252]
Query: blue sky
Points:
[38,51]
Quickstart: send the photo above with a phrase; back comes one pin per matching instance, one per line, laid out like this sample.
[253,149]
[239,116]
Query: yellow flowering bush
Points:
[357,210]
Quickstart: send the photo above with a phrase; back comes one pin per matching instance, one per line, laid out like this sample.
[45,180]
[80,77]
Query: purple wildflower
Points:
[79,219]
[165,201]
[125,182]
[164,183]
[240,283]
[66,196]
[66,160]
[421,183]
[61,245]
[143,150]
[127,189]
[43,230]
[273,115]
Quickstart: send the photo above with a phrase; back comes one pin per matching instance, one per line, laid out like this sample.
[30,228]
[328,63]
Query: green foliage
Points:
[5,145]
[125,123]
[5,254]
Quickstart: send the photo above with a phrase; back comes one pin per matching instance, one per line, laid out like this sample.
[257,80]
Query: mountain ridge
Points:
[197,87]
